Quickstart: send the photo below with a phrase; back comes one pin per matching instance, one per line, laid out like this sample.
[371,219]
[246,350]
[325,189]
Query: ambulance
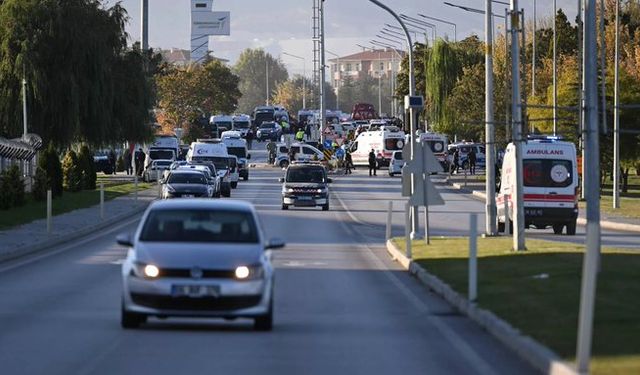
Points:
[438,144]
[550,178]
[382,142]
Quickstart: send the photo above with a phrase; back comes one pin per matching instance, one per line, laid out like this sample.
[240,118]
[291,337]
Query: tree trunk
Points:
[625,179]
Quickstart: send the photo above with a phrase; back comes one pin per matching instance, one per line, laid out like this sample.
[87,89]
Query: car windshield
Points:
[314,175]
[547,173]
[186,178]
[241,124]
[200,226]
[163,163]
[223,124]
[161,154]
[240,152]
[267,126]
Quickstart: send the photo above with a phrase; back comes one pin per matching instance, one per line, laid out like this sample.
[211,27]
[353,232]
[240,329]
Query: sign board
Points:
[210,23]
[421,167]
[415,102]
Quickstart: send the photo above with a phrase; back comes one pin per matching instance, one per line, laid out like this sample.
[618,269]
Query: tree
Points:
[290,93]
[442,70]
[467,110]
[251,68]
[186,94]
[71,172]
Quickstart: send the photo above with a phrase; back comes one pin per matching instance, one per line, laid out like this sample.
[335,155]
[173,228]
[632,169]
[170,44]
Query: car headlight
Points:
[147,271]
[287,190]
[248,273]
[320,191]
[169,189]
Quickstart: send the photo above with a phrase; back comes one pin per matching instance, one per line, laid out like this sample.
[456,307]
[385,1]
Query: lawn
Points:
[537,291]
[34,210]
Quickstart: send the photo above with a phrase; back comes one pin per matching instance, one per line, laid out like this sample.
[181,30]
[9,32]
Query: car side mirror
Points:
[329,180]
[274,243]
[281,180]
[125,239]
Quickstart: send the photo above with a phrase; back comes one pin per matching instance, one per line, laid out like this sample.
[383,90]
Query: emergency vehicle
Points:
[238,147]
[215,153]
[242,123]
[550,179]
[438,144]
[221,123]
[383,142]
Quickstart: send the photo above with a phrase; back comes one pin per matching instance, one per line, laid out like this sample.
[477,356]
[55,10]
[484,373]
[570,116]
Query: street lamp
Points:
[412,91]
[419,24]
[304,77]
[339,78]
[455,32]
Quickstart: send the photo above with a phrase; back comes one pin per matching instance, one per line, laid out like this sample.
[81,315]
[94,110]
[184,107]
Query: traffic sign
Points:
[420,168]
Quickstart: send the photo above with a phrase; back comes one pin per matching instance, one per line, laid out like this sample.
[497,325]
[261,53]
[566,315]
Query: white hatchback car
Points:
[198,258]
[396,163]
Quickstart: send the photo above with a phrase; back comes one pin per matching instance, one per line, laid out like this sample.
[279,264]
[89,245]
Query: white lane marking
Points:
[64,248]
[469,353]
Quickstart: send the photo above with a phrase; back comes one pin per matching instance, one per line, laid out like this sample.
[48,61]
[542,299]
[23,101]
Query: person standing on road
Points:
[372,162]
[271,148]
[456,160]
[300,135]
[472,161]
[249,138]
[127,162]
[348,163]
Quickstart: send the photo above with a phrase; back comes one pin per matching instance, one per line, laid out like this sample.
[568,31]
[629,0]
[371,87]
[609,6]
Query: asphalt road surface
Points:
[341,306]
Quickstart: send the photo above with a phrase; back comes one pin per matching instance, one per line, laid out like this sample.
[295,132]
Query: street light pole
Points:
[555,71]
[516,133]
[304,77]
[490,169]
[144,25]
[592,171]
[533,47]
[266,65]
[455,31]
[323,113]
[412,120]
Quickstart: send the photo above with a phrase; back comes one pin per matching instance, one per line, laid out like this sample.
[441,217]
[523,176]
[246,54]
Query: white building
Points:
[375,63]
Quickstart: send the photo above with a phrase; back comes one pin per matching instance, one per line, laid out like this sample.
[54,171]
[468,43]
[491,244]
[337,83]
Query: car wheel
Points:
[264,322]
[234,185]
[129,319]
[285,207]
[390,174]
[325,207]
[571,228]
[245,178]
[284,163]
[557,228]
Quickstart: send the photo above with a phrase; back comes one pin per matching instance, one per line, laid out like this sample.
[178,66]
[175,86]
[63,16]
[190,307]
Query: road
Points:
[342,306]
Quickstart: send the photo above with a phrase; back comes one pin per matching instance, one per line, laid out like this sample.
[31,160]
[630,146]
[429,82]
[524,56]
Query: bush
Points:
[71,172]
[87,168]
[48,175]
[40,184]
[11,188]
[120,164]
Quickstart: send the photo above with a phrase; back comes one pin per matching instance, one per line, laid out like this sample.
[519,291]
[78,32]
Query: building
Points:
[383,63]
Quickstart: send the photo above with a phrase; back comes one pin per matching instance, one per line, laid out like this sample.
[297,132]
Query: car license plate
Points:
[187,195]
[195,291]
[304,198]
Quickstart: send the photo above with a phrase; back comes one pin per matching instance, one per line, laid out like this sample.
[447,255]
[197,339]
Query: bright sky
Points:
[285,25]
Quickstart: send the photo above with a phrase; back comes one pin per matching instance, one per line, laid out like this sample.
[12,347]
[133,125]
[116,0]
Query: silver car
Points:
[198,258]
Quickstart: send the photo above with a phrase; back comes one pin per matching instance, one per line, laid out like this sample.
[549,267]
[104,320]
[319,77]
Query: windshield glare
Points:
[200,226]
[186,178]
[313,175]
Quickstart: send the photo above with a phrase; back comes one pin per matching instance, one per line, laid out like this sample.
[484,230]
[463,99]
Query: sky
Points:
[285,25]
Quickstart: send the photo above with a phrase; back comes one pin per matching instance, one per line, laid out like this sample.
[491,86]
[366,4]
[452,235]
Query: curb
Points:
[61,240]
[611,225]
[536,354]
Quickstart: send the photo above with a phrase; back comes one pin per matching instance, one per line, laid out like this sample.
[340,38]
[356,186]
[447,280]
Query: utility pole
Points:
[323,113]
[266,65]
[24,107]
[555,71]
[490,179]
[144,24]
[616,112]
[516,122]
[592,171]
[533,47]
[380,83]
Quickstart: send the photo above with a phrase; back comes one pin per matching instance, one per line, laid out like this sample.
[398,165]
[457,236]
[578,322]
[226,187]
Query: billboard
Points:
[210,23]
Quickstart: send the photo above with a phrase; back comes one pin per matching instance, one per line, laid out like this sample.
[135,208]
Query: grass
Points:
[34,210]
[514,286]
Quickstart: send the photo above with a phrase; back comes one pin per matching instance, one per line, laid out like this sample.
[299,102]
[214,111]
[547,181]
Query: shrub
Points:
[120,164]
[11,188]
[71,172]
[87,168]
[5,197]
[48,175]
[40,184]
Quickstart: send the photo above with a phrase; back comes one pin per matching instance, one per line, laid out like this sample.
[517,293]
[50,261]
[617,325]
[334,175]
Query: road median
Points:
[530,300]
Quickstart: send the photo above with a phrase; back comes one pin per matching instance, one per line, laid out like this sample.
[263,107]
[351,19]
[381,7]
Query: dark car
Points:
[185,184]
[268,130]
[305,185]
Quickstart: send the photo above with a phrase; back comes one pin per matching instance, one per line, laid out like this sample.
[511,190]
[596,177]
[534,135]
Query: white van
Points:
[438,144]
[242,123]
[383,142]
[304,152]
[550,178]
[221,123]
[215,153]
[234,172]
[164,147]
[238,147]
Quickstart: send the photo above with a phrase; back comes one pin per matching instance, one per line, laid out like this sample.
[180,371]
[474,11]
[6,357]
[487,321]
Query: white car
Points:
[155,169]
[198,258]
[396,163]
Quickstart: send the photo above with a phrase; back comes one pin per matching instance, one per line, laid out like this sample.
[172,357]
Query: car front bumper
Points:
[301,201]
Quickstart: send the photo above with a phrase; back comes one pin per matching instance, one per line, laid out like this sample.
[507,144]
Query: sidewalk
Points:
[33,237]
[608,221]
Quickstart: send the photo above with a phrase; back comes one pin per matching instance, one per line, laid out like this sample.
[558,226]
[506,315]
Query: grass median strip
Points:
[34,210]
[538,292]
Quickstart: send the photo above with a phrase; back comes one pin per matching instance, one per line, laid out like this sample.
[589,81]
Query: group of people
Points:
[471,158]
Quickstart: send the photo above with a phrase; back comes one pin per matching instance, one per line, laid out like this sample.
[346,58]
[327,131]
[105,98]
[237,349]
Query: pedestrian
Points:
[249,138]
[140,156]
[372,162]
[112,161]
[271,148]
[127,162]
[456,160]
[348,163]
[292,155]
[472,161]
[300,135]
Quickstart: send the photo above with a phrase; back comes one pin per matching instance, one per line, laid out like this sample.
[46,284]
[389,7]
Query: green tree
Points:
[71,172]
[290,93]
[251,67]
[87,168]
[442,70]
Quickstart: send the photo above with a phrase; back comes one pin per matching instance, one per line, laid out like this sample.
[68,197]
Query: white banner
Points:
[210,23]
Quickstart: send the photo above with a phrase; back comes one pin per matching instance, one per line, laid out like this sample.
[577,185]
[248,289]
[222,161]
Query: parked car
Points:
[198,258]
[396,163]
